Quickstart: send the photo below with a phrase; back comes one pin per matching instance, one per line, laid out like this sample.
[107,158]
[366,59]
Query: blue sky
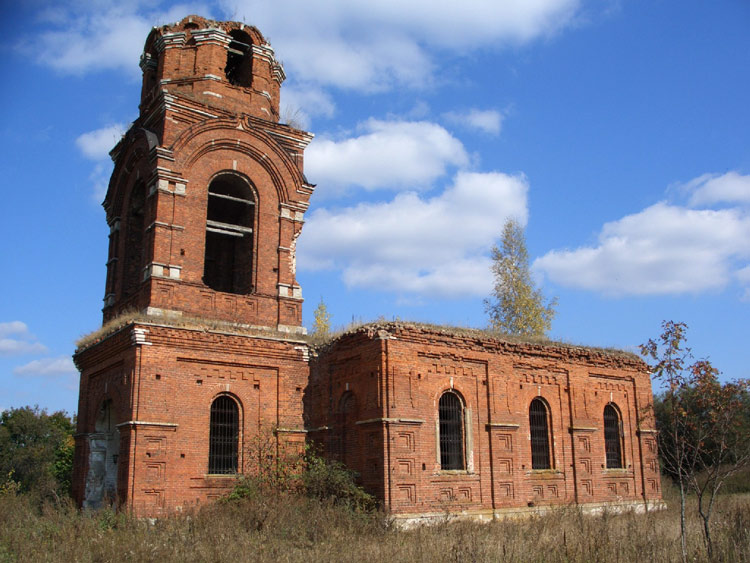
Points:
[617,132]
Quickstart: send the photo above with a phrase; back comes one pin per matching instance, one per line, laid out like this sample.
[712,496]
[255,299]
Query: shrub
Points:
[328,479]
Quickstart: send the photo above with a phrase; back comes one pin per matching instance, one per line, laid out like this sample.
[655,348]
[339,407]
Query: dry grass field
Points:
[287,527]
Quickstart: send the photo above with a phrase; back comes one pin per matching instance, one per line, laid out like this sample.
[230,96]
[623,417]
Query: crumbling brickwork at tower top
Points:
[208,193]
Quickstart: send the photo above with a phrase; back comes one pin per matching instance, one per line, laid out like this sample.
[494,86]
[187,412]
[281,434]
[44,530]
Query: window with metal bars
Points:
[612,437]
[540,435]
[451,415]
[223,436]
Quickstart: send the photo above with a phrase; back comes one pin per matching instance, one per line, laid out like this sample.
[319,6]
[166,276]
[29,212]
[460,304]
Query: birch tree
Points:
[516,306]
[321,320]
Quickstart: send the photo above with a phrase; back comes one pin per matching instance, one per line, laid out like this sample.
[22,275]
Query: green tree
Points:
[703,424]
[321,320]
[36,449]
[517,306]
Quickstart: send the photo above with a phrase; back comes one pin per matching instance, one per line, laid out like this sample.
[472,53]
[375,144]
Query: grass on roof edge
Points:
[320,342]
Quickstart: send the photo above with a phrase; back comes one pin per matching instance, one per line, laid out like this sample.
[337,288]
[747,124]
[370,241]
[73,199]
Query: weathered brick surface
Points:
[163,385]
[146,391]
[193,126]
[369,398]
[396,375]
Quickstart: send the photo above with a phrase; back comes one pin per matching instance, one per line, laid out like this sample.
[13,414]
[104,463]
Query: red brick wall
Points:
[158,383]
[162,389]
[193,126]
[497,382]
[370,398]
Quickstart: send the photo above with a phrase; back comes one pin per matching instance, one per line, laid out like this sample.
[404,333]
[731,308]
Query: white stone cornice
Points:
[211,35]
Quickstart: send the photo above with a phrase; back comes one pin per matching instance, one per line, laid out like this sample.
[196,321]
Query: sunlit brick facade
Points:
[374,401]
[204,350]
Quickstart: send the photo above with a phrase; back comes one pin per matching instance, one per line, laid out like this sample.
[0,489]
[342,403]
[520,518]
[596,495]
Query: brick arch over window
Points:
[540,429]
[613,436]
[451,431]
[230,225]
[224,434]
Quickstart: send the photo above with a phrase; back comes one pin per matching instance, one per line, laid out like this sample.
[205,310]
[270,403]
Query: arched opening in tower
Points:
[133,262]
[228,260]
[239,67]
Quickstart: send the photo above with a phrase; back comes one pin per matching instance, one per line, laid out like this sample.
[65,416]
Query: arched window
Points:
[348,430]
[451,415]
[612,437]
[539,425]
[134,226]
[150,67]
[239,67]
[223,436]
[230,217]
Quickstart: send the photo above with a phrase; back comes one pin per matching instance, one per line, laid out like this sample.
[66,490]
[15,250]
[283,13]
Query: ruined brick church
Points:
[203,346]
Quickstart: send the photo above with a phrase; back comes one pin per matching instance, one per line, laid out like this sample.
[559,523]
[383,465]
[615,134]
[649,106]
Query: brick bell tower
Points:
[201,343]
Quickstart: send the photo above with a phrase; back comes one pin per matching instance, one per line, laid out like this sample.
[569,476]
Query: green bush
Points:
[328,479]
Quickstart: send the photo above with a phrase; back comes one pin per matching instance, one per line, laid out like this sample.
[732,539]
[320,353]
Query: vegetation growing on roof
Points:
[197,323]
[462,332]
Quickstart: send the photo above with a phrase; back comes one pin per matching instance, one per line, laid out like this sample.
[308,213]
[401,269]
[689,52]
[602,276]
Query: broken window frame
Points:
[229,250]
[239,66]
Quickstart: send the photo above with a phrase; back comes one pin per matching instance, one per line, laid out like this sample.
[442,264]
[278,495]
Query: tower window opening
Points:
[228,261]
[239,67]
[134,227]
[451,415]
[540,439]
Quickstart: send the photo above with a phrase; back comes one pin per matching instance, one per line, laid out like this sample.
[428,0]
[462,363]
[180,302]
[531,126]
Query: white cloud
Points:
[709,189]
[15,339]
[13,327]
[95,145]
[369,45]
[47,367]
[99,178]
[486,121]
[360,45]
[388,154]
[82,36]
[433,246]
[13,347]
[301,103]
[663,249]
[743,276]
